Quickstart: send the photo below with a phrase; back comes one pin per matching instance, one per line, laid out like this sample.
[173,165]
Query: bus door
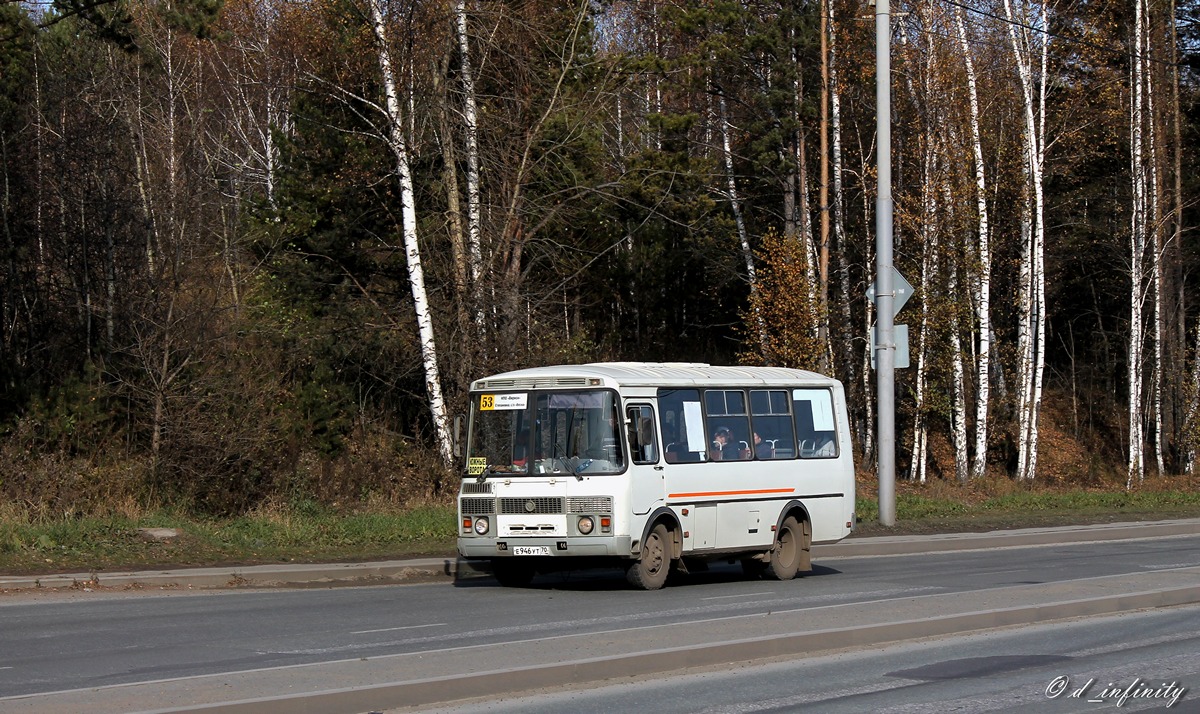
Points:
[646,471]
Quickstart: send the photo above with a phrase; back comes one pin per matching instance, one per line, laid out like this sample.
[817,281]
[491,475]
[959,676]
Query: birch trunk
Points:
[868,422]
[958,388]
[806,229]
[929,269]
[471,129]
[1137,249]
[412,248]
[1031,330]
[959,394]
[983,283]
[1039,196]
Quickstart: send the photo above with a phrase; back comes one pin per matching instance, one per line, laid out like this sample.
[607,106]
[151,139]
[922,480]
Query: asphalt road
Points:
[1139,661]
[376,647]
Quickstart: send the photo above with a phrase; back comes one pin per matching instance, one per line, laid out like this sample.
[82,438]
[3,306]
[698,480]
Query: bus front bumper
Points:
[568,547]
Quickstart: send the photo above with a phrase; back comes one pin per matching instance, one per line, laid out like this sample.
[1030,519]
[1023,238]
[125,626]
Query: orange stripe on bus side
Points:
[699,494]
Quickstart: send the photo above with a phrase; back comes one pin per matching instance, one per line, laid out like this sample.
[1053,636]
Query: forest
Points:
[256,250]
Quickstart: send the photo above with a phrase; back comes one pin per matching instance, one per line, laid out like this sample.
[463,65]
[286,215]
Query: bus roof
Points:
[649,374]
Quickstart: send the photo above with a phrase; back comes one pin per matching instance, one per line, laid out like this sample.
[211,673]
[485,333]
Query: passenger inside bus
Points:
[521,449]
[727,447]
[720,440]
[763,449]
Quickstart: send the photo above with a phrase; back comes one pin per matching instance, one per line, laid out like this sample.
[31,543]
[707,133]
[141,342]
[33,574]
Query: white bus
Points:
[652,466]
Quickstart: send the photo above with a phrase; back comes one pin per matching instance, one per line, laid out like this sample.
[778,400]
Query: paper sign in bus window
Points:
[695,427]
[821,402]
[501,402]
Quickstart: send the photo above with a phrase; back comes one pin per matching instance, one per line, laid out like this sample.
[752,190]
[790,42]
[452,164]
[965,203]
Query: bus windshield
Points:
[521,433]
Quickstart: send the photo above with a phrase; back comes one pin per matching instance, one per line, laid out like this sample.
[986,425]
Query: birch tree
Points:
[471,131]
[1029,44]
[982,284]
[412,249]
[1137,250]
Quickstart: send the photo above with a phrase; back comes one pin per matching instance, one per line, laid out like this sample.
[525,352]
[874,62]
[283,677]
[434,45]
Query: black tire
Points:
[788,552]
[649,572]
[512,573]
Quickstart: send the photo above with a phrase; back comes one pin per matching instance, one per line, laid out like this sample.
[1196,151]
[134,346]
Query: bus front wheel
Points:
[649,572]
[788,552]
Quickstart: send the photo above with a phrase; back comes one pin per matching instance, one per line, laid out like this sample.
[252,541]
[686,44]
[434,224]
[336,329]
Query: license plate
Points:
[531,550]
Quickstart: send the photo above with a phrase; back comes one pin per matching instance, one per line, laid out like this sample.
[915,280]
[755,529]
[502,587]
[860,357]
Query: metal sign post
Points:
[885,375]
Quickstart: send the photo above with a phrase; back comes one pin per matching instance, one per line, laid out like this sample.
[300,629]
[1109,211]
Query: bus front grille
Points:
[589,504]
[478,506]
[545,504]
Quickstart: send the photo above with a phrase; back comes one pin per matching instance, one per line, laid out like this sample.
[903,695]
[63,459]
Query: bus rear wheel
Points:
[789,551]
[649,572]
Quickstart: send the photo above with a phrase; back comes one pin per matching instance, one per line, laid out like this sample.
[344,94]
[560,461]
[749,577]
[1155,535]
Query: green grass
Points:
[306,532]
[294,534]
[924,514]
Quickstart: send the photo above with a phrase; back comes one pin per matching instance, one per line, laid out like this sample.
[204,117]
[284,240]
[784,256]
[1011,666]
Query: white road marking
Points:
[731,597]
[394,629]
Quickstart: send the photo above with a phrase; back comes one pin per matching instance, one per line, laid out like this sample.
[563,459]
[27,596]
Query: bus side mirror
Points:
[456,439]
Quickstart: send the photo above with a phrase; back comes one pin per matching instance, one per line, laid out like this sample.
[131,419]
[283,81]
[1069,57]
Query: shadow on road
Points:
[613,579]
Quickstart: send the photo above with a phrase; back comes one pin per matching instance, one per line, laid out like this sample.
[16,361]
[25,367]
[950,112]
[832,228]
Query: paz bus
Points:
[652,467]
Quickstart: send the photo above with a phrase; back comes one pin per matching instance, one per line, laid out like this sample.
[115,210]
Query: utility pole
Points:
[885,358]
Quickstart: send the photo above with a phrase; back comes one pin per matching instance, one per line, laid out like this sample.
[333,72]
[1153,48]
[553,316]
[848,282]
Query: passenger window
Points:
[816,432]
[771,414]
[682,425]
[728,425]
[642,443]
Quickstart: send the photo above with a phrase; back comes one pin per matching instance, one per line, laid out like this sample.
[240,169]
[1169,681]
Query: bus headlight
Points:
[481,525]
[586,524]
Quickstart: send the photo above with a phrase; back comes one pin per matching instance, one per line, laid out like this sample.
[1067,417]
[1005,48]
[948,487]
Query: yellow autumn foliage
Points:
[781,317]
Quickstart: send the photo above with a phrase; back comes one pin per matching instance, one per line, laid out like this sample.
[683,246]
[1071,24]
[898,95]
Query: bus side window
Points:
[729,427]
[771,415]
[642,443]
[815,429]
